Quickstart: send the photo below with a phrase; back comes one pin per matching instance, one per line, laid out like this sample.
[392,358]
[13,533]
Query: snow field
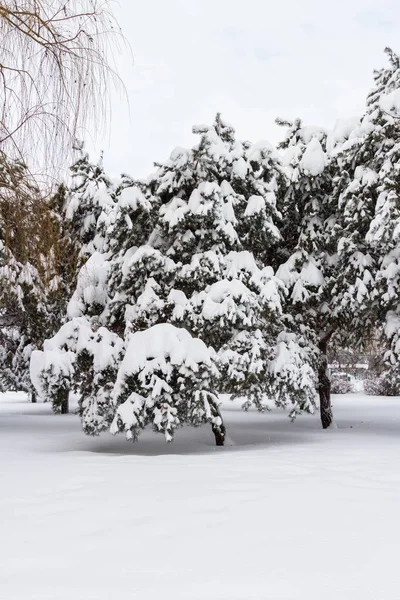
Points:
[288,512]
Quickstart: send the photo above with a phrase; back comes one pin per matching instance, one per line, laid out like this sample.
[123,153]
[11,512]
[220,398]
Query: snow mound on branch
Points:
[159,343]
[174,212]
[255,205]
[314,158]
[60,364]
[132,197]
[91,287]
[291,156]
[290,364]
[143,255]
[164,379]
[362,129]
[240,261]
[236,296]
[60,352]
[390,103]
[240,168]
[127,413]
[341,132]
[97,191]
[310,274]
[392,326]
[53,369]
[78,335]
[261,150]
[310,132]
[224,298]
[365,175]
[201,199]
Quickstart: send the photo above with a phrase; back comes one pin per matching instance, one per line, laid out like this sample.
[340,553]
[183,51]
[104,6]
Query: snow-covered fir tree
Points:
[383,236]
[174,379]
[89,196]
[217,224]
[367,193]
[339,219]
[90,191]
[184,254]
[307,252]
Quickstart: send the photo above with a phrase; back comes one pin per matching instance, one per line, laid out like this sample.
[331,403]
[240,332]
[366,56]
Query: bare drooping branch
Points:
[56,69]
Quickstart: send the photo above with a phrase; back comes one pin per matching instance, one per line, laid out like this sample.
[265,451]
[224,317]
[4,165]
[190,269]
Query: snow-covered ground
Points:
[288,512]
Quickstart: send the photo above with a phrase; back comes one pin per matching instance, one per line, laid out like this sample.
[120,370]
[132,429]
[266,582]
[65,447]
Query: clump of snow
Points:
[127,413]
[255,205]
[240,261]
[341,132]
[309,275]
[59,366]
[240,168]
[313,160]
[390,103]
[292,367]
[91,287]
[174,212]
[180,156]
[224,299]
[159,343]
[392,326]
[179,299]
[365,175]
[132,197]
[310,132]
[291,155]
[201,199]
[169,373]
[261,152]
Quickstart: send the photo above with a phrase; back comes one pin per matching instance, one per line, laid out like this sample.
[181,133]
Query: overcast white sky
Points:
[252,60]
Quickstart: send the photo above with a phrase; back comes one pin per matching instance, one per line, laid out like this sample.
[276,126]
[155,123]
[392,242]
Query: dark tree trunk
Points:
[219,431]
[324,386]
[33,397]
[65,403]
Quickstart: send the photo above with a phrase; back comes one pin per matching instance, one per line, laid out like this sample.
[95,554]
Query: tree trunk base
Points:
[326,411]
[219,432]
[324,388]
[65,403]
